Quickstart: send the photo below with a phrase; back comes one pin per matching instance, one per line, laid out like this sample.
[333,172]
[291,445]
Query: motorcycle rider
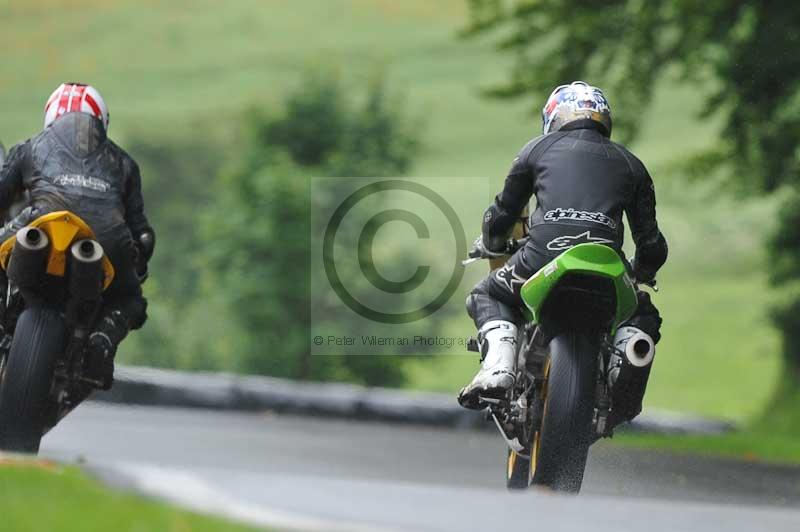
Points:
[72,165]
[583,182]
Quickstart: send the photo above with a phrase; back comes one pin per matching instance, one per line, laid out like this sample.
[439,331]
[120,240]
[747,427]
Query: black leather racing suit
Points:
[583,182]
[73,166]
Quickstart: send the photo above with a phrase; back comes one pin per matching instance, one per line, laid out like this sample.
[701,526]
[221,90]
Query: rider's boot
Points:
[102,347]
[498,343]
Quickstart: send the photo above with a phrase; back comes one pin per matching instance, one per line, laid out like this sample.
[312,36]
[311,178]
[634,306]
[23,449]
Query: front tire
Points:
[561,445]
[39,339]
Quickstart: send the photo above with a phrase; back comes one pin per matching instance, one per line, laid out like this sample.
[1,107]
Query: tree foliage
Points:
[257,229]
[744,51]
[740,56]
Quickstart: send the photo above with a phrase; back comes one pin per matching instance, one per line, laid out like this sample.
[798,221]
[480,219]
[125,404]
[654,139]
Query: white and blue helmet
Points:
[576,101]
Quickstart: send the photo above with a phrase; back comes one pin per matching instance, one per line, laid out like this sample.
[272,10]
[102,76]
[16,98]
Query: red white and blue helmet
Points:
[576,101]
[75,98]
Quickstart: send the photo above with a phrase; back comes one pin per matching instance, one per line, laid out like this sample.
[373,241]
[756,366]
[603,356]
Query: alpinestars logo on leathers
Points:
[557,215]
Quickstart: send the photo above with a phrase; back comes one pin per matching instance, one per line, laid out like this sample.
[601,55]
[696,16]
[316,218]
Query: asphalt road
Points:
[306,473]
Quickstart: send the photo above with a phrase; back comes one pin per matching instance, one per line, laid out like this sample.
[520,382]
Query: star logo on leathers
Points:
[509,277]
[565,242]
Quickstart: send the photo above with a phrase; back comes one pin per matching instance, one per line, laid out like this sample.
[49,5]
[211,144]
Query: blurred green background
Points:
[194,85]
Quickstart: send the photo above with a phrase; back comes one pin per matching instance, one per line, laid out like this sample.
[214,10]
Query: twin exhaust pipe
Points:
[28,263]
[87,251]
[32,239]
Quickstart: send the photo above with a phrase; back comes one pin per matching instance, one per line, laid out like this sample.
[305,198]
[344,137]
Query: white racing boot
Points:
[498,343]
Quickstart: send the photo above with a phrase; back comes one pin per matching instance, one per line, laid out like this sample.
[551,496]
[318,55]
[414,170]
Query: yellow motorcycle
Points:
[56,273]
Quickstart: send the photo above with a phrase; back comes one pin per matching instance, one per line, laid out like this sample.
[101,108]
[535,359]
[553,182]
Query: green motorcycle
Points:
[570,377]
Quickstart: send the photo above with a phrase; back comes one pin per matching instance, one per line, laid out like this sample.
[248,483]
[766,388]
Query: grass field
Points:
[43,496]
[189,68]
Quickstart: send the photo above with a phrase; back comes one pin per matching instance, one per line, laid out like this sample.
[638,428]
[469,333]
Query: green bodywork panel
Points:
[590,259]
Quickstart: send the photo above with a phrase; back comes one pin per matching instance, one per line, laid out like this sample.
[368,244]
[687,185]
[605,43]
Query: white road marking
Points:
[191,492]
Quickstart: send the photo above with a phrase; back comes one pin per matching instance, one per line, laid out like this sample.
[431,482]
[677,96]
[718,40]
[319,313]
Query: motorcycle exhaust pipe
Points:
[32,238]
[629,370]
[637,345]
[28,262]
[86,269]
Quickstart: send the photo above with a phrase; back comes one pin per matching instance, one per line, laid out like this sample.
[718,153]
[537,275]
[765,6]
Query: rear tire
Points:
[565,434]
[39,339]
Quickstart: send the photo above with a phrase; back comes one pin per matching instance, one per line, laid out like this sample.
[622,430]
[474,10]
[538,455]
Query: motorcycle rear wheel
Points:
[560,447]
[39,339]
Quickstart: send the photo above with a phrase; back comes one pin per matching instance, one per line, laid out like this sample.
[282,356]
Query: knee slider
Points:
[472,304]
[483,308]
[139,314]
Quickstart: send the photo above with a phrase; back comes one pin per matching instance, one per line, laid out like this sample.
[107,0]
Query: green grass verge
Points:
[42,496]
[751,445]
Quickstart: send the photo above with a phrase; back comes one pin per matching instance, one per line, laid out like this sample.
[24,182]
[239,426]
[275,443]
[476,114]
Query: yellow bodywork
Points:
[62,228]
